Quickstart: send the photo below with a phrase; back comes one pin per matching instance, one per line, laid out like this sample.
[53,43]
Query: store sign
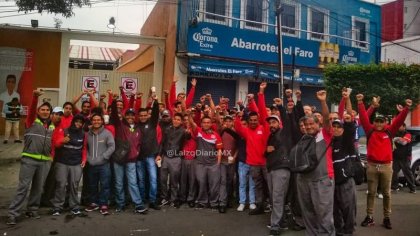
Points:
[222,41]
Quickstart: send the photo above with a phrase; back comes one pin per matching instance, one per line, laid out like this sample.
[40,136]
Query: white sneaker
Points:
[367,192]
[252,206]
[241,207]
[380,196]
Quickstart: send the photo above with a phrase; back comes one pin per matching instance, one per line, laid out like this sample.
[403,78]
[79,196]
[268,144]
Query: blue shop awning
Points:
[272,74]
[229,68]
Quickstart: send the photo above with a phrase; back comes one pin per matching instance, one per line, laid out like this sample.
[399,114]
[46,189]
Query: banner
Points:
[16,75]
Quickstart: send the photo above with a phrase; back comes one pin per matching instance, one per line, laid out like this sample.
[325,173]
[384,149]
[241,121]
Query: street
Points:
[187,221]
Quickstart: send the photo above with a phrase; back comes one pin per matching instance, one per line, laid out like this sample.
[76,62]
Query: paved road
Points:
[186,221]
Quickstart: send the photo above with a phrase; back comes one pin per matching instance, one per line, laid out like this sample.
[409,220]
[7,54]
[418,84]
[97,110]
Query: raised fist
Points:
[298,93]
[288,92]
[38,93]
[250,96]
[278,101]
[193,82]
[359,97]
[263,85]
[408,102]
[375,101]
[321,95]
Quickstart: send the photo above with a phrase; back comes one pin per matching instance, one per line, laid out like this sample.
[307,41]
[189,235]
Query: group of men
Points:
[202,155]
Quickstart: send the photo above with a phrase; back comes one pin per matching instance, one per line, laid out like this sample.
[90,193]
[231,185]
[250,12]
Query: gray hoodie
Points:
[99,147]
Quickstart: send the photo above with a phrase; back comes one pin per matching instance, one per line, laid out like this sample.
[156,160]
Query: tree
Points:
[63,7]
[392,82]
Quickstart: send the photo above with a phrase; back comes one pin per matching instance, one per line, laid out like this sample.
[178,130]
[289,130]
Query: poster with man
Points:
[16,76]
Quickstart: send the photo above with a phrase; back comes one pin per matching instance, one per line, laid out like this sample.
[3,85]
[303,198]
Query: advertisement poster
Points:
[16,76]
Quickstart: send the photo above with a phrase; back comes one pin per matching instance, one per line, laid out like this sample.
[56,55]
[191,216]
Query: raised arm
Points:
[155,113]
[126,103]
[110,97]
[322,97]
[191,93]
[92,99]
[252,105]
[32,108]
[238,126]
[114,118]
[138,102]
[363,116]
[75,100]
[172,92]
[399,120]
[261,104]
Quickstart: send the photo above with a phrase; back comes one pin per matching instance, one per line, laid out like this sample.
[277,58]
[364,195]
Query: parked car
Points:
[415,154]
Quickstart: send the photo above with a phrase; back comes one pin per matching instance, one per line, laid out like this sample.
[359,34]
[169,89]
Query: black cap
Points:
[380,117]
[130,111]
[228,117]
[337,122]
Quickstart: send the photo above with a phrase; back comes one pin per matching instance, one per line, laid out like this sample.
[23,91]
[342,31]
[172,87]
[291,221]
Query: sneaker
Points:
[252,206]
[104,210]
[75,211]
[31,214]
[11,220]
[222,209]
[395,190]
[5,142]
[267,208]
[256,211]
[241,207]
[387,223]
[274,232]
[176,204]
[119,210]
[140,210]
[154,206]
[368,222]
[18,141]
[191,204]
[367,192]
[56,212]
[199,206]
[380,196]
[92,207]
[164,202]
[413,191]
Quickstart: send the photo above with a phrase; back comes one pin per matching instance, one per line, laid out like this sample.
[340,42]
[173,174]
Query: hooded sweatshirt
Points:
[100,147]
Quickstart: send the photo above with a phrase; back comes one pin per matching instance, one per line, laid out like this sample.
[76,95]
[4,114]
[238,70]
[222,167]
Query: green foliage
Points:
[63,7]
[392,82]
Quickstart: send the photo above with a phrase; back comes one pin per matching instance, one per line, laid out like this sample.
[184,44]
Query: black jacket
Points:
[344,153]
[282,143]
[172,141]
[149,143]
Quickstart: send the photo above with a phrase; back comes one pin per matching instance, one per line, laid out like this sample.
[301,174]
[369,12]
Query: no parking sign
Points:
[129,85]
[90,83]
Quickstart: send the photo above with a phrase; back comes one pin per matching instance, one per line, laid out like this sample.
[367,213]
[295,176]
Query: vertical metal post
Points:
[280,49]
[293,68]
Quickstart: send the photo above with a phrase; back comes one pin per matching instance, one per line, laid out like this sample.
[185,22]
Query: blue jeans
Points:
[148,164]
[99,174]
[244,177]
[133,188]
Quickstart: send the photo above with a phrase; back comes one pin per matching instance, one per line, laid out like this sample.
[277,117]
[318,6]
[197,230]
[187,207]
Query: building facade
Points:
[400,19]
[231,45]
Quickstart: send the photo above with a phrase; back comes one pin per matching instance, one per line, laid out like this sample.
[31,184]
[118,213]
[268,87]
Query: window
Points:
[216,11]
[256,11]
[318,24]
[360,32]
[290,19]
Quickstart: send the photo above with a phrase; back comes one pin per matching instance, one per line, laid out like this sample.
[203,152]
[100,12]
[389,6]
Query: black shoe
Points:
[222,209]
[298,227]
[34,215]
[5,142]
[177,204]
[387,223]
[11,220]
[141,210]
[412,191]
[256,211]
[199,206]
[154,206]
[274,232]
[368,222]
[18,141]
[191,204]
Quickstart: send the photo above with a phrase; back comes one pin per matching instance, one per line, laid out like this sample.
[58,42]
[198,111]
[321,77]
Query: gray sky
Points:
[129,15]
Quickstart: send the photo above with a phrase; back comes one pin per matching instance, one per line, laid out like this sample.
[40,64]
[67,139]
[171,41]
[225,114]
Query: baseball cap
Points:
[379,117]
[228,117]
[337,121]
[130,111]
[165,113]
[58,110]
[273,117]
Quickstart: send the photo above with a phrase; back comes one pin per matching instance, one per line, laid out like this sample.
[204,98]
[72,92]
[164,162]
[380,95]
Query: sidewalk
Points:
[10,152]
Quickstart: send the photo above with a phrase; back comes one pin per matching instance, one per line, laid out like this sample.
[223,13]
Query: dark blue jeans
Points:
[99,175]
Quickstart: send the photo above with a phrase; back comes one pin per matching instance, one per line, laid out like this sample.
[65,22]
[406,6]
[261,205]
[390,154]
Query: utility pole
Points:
[280,48]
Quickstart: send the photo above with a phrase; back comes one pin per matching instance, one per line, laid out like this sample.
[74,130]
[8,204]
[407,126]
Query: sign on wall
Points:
[129,85]
[91,83]
[218,40]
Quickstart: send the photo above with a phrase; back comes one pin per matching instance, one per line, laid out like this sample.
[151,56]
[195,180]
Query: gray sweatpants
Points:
[66,175]
[208,175]
[31,171]
[171,166]
[345,207]
[227,173]
[278,183]
[259,175]
[316,198]
[188,181]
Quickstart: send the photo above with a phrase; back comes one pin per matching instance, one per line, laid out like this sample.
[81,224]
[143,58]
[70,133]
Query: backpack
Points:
[302,157]
[358,170]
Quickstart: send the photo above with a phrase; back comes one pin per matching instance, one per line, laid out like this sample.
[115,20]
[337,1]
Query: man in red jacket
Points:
[379,157]
[256,136]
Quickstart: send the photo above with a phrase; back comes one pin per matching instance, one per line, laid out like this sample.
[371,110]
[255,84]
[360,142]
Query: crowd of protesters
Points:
[209,155]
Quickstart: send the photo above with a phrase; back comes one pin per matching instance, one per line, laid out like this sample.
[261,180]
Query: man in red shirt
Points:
[379,157]
[256,136]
